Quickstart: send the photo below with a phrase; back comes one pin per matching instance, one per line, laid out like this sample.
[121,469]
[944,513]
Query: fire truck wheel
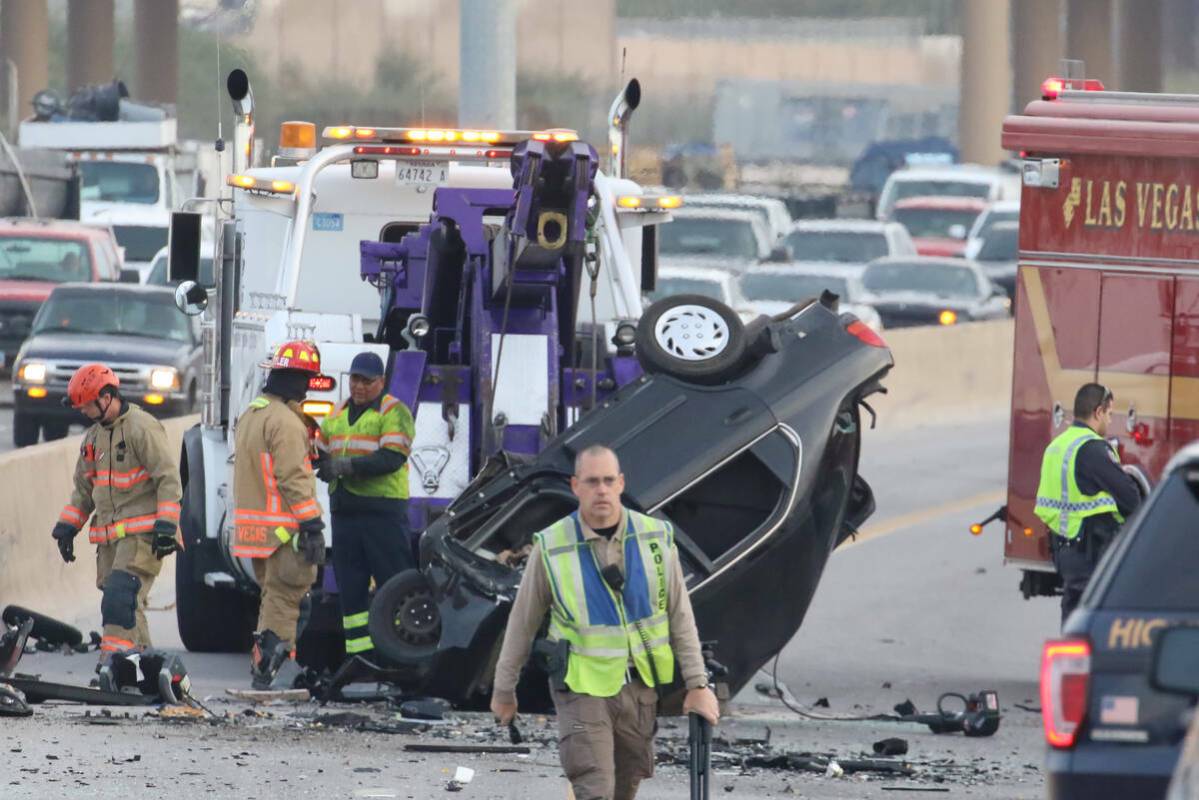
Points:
[405,625]
[691,337]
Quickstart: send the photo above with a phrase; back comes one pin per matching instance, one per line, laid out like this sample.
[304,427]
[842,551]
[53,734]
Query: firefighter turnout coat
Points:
[274,489]
[125,478]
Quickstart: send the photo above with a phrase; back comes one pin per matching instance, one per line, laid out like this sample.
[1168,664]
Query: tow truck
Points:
[497,273]
[1107,287]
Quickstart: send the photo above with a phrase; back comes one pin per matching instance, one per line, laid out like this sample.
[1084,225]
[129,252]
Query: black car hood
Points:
[111,347]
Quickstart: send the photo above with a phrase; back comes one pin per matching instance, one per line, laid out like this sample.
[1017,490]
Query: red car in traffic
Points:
[938,225]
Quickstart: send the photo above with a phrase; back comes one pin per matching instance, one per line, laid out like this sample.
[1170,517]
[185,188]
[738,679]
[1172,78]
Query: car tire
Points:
[52,431]
[405,624]
[48,629]
[25,429]
[691,337]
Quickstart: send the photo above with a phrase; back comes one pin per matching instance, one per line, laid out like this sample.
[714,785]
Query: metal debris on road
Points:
[893,746]
[422,747]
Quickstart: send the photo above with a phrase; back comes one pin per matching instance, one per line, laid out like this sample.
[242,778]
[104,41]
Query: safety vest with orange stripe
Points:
[126,478]
[389,427]
[274,489]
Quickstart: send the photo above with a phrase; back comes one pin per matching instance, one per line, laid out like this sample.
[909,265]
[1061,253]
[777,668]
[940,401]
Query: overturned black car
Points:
[754,460]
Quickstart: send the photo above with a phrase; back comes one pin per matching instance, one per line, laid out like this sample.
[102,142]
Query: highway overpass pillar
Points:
[1089,38]
[1140,53]
[25,41]
[1036,47]
[89,43]
[156,33]
[986,87]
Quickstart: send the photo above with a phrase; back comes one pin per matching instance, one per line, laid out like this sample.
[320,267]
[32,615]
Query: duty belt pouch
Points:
[553,657]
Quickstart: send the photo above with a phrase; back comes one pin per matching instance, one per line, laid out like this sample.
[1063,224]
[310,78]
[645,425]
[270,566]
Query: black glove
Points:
[164,542]
[331,468]
[64,535]
[312,541]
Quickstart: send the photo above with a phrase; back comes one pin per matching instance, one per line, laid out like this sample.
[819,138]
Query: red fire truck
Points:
[1108,286]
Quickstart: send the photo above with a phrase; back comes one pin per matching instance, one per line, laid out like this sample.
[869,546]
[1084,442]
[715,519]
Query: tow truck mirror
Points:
[191,298]
[1176,661]
[649,258]
[183,247]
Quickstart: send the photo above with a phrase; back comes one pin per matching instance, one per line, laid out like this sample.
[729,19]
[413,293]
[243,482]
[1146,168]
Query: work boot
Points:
[268,655]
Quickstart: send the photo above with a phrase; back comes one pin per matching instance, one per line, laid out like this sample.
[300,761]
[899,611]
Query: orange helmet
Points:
[87,383]
[297,355]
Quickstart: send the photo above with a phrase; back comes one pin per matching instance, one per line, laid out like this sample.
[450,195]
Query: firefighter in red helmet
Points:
[277,520]
[127,482]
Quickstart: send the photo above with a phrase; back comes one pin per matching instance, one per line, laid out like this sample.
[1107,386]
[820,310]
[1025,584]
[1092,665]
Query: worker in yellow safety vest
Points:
[621,625]
[1084,494]
[363,451]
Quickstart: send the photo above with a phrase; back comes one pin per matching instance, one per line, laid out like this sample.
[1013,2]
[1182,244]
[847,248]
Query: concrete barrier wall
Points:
[940,375]
[947,374]
[35,483]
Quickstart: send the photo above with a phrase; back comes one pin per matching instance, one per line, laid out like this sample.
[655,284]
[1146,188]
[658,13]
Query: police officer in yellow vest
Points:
[611,582]
[364,446]
[1084,495]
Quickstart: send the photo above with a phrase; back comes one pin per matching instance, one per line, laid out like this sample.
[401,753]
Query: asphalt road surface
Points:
[914,608]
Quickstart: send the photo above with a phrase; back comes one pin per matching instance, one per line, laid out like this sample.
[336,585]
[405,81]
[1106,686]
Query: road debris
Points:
[51,632]
[833,770]
[462,776]
[362,722]
[270,696]
[891,747]
[12,702]
[422,747]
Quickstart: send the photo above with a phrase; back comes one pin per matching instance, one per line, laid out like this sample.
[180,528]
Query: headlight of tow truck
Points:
[32,372]
[164,379]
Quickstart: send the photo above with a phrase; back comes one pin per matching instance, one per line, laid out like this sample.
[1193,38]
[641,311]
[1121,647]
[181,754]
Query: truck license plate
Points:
[422,173]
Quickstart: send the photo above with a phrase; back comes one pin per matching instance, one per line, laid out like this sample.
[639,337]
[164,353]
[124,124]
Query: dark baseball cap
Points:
[368,365]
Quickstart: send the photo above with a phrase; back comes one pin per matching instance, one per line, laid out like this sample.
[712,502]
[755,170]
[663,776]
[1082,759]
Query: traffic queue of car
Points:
[942,250]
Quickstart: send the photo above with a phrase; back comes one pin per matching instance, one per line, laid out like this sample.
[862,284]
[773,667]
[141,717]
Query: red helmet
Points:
[87,383]
[297,355]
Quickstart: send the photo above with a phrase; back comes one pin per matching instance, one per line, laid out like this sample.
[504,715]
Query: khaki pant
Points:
[130,554]
[284,578]
[606,744]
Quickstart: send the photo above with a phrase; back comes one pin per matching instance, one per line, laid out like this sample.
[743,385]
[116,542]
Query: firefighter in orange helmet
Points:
[277,520]
[128,483]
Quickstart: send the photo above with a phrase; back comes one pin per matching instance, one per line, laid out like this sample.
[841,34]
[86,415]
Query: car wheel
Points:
[405,623]
[691,337]
[25,430]
[55,430]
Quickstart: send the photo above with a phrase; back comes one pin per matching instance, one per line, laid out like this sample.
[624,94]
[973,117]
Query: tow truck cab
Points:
[1108,286]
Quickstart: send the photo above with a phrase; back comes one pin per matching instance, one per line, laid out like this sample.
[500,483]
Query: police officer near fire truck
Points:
[363,450]
[620,624]
[276,517]
[1084,495]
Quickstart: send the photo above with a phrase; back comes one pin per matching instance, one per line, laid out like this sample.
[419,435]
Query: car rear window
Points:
[944,281]
[1000,244]
[1157,570]
[708,236]
[841,246]
[29,258]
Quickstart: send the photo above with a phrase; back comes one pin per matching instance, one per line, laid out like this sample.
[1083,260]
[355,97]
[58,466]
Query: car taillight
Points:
[1065,677]
[865,333]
